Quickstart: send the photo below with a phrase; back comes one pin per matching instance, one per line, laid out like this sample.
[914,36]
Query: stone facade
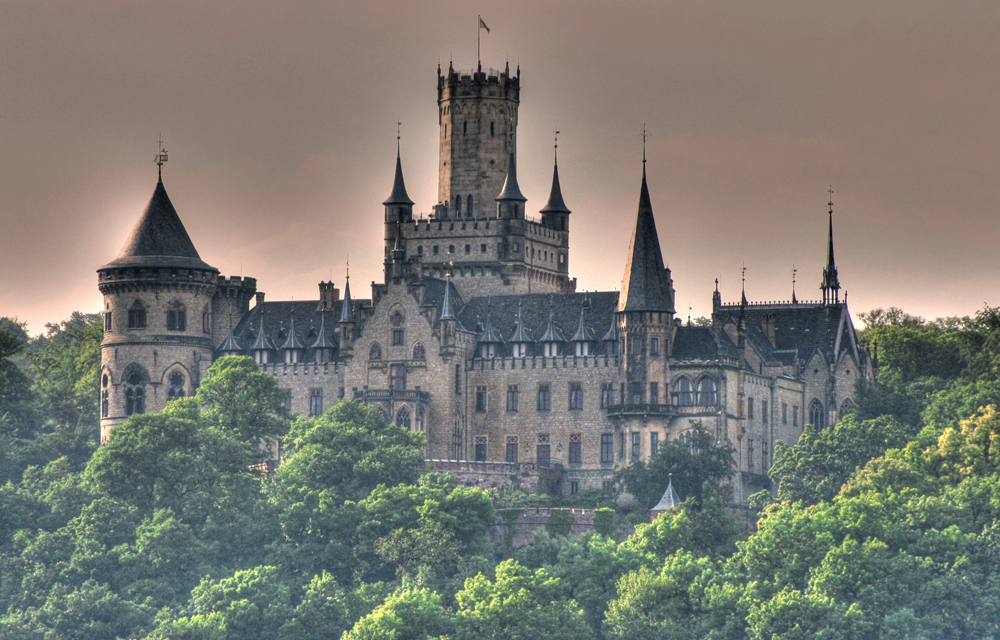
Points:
[476,337]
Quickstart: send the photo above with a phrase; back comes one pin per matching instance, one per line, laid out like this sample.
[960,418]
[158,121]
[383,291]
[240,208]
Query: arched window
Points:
[458,205]
[465,127]
[105,396]
[491,129]
[468,200]
[206,321]
[846,407]
[176,389]
[817,414]
[707,393]
[135,379]
[176,316]
[403,418]
[418,352]
[375,352]
[137,315]
[683,395]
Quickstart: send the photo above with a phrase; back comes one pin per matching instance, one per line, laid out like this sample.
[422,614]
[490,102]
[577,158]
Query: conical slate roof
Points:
[510,189]
[583,332]
[346,313]
[552,333]
[398,195]
[521,334]
[230,343]
[446,311]
[322,341]
[646,283]
[555,203]
[262,343]
[159,239]
[490,334]
[292,341]
[670,499]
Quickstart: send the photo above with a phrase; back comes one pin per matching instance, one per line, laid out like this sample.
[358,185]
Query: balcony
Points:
[386,395]
[642,410]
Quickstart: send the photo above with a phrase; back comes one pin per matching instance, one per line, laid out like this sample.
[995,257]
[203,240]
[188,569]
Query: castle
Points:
[477,338]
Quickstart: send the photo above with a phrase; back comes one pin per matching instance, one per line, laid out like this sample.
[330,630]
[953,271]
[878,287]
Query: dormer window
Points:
[487,350]
[520,350]
[583,348]
[292,356]
[323,355]
[262,356]
[550,349]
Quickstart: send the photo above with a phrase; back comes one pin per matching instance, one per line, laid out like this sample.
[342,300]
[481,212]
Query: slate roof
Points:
[510,189]
[646,282]
[159,239]
[555,203]
[701,343]
[500,312]
[278,318]
[398,195]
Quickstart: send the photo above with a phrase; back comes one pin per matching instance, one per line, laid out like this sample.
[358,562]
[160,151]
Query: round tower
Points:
[158,318]
[477,113]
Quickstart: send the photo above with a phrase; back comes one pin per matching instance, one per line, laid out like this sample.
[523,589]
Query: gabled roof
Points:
[646,284]
[159,239]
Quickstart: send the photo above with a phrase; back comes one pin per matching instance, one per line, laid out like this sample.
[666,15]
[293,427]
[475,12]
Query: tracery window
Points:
[137,316]
[176,389]
[683,396]
[403,419]
[176,316]
[817,415]
[375,352]
[135,380]
[707,392]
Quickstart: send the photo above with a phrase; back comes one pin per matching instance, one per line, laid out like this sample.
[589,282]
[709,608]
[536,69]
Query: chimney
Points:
[259,298]
[328,294]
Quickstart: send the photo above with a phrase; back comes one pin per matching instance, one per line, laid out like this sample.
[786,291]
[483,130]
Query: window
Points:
[763,456]
[636,445]
[817,414]
[458,205]
[315,402]
[654,393]
[262,356]
[469,202]
[135,380]
[511,449]
[637,392]
[434,249]
[468,249]
[451,248]
[176,389]
[574,487]
[795,416]
[107,321]
[544,397]
[397,377]
[607,448]
[375,352]
[683,396]
[292,356]
[482,248]
[420,251]
[480,443]
[512,397]
[550,349]
[607,395]
[654,346]
[750,408]
[583,348]
[847,407]
[763,411]
[403,419]
[784,413]
[137,316]
[543,450]
[575,396]
[654,443]
[397,337]
[480,399]
[491,128]
[458,378]
[706,392]
[176,317]
[487,350]
[519,350]
[750,454]
[206,321]
[418,352]
[621,445]
[575,448]
[286,400]
[105,399]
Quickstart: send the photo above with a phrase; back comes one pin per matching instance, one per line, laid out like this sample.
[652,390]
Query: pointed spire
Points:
[322,341]
[398,195]
[552,333]
[521,335]
[670,499]
[230,344]
[510,189]
[446,311]
[646,283]
[555,203]
[262,343]
[346,314]
[583,332]
[292,341]
[831,283]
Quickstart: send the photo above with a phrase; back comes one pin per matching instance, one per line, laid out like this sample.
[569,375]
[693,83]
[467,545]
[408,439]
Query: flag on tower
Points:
[482,25]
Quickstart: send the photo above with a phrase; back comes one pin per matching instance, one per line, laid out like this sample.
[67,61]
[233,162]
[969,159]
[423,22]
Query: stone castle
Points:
[476,336]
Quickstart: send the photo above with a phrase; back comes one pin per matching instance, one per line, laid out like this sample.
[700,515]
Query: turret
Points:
[555,214]
[347,323]
[510,202]
[831,283]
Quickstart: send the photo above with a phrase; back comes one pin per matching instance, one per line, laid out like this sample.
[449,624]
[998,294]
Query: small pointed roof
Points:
[646,282]
[159,239]
[552,333]
[446,311]
[292,341]
[230,343]
[510,189]
[398,195]
[520,333]
[555,203]
[322,341]
[490,335]
[670,499]
[346,313]
[583,332]
[262,343]
[612,333]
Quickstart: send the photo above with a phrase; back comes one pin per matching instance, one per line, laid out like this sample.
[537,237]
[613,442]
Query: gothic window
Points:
[397,377]
[397,318]
[315,402]
[465,127]
[135,379]
[512,397]
[176,316]
[575,396]
[707,394]
[847,407]
[480,442]
[817,415]
[491,129]
[683,396]
[543,450]
[375,352]
[176,389]
[458,205]
[107,321]
[137,316]
[468,201]
[206,321]
[403,419]
[397,337]
[105,396]
[418,352]
[575,448]
[544,397]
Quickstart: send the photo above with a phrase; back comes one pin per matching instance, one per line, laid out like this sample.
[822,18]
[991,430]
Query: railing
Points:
[379,395]
[496,466]
[642,409]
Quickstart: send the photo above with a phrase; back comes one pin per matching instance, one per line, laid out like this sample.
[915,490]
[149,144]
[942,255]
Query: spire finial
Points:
[644,136]
[398,125]
[348,267]
[794,271]
[689,314]
[716,285]
[831,198]
[555,144]
[161,156]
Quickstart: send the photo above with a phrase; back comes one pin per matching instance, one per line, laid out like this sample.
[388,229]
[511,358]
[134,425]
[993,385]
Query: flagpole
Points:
[479,58]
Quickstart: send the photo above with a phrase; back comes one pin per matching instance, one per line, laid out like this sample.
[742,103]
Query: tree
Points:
[518,605]
[411,614]
[16,415]
[237,397]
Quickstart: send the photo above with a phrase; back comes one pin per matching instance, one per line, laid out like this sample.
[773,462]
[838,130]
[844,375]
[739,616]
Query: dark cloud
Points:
[280,119]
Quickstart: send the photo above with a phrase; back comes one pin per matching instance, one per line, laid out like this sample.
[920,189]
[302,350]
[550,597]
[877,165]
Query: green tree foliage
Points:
[237,398]
[17,418]
[518,605]
[691,463]
[412,614]
[65,364]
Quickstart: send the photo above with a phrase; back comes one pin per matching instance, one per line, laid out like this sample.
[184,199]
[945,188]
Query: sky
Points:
[280,123]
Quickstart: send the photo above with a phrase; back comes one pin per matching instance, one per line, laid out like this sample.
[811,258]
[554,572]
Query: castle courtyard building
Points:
[476,336]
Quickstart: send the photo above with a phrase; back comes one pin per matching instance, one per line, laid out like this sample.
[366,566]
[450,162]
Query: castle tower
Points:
[477,113]
[158,316]
[645,318]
